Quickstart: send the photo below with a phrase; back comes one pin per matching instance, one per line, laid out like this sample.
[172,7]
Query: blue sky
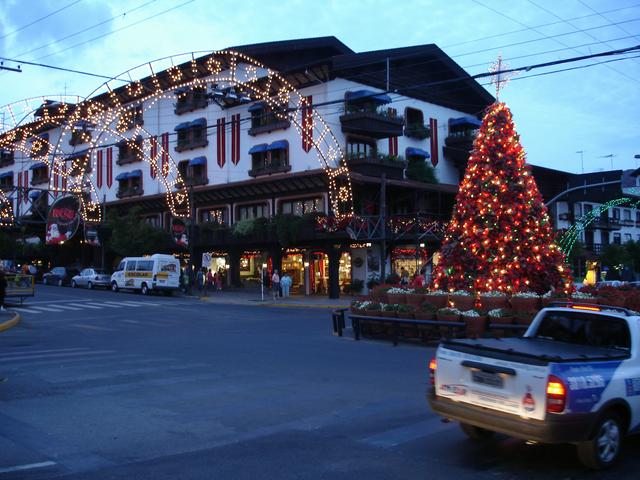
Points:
[592,109]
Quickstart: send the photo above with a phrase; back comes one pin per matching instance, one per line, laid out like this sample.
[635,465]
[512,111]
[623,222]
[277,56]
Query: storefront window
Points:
[302,206]
[344,272]
[408,259]
[258,210]
[215,215]
[293,265]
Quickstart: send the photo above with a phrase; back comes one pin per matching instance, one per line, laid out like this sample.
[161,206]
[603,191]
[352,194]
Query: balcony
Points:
[6,158]
[371,123]
[418,131]
[181,146]
[39,178]
[376,165]
[594,247]
[606,223]
[126,192]
[268,170]
[269,127]
[191,181]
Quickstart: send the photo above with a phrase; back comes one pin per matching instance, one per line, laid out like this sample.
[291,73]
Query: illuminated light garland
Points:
[500,237]
[109,116]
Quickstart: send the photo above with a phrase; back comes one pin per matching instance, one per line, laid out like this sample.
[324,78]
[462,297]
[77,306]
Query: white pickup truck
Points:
[574,377]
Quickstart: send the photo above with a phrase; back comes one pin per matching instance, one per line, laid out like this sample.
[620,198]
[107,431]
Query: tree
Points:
[132,237]
[421,171]
[500,236]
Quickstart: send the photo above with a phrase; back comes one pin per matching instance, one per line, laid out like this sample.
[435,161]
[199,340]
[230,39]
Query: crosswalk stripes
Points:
[87,305]
[46,309]
[25,310]
[68,307]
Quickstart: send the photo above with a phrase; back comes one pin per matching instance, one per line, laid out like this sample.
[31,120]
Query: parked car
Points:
[59,276]
[91,277]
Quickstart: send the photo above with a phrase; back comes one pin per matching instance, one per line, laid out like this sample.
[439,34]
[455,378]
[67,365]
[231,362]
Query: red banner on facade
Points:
[393,141]
[307,124]
[221,141]
[164,165]
[433,125]
[99,179]
[109,167]
[25,184]
[235,139]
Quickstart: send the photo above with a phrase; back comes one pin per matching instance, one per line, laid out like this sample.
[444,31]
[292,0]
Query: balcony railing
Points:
[269,127]
[189,181]
[190,104]
[371,123]
[38,179]
[191,144]
[268,170]
[376,165]
[129,192]
[417,130]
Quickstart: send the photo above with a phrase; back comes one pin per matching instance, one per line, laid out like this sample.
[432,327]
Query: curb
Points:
[267,303]
[10,323]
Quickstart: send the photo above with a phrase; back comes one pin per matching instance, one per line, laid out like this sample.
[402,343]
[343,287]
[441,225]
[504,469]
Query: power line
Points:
[39,19]
[601,14]
[80,72]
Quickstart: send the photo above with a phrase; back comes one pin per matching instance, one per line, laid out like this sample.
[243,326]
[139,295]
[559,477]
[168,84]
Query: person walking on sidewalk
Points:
[285,283]
[200,280]
[275,284]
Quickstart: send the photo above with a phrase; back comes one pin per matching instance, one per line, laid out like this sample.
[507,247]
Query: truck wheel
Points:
[114,287]
[476,433]
[144,289]
[603,449]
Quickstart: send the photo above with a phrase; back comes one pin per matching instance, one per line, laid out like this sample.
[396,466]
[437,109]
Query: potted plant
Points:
[462,300]
[524,301]
[389,309]
[502,316]
[493,299]
[475,323]
[427,311]
[405,311]
[581,297]
[398,295]
[438,298]
[356,307]
[372,309]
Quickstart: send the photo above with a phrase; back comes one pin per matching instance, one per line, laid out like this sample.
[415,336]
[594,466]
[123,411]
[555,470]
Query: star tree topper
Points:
[501,76]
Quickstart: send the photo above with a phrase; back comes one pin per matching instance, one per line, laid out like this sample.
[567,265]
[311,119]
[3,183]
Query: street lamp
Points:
[264,265]
[581,152]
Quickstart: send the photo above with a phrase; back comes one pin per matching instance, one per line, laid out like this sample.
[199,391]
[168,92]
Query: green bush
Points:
[421,171]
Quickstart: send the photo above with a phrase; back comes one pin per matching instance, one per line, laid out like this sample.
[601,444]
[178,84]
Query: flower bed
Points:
[525,301]
[476,323]
[462,300]
[502,316]
[493,300]
[438,298]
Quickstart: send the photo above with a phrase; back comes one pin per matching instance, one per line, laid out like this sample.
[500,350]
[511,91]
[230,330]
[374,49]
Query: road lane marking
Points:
[92,327]
[140,304]
[55,356]
[84,305]
[112,304]
[67,307]
[35,352]
[47,309]
[28,466]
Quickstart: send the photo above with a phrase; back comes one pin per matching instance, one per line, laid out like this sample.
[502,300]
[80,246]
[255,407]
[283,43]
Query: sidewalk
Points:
[8,319]
[238,296]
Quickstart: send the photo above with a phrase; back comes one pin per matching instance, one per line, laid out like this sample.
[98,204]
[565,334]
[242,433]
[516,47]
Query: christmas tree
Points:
[500,237]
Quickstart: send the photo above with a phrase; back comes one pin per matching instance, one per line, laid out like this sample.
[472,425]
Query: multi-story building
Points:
[392,113]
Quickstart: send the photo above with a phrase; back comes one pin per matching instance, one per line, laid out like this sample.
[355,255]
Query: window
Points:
[130,118]
[627,215]
[6,157]
[182,168]
[584,329]
[268,159]
[414,124]
[218,215]
[81,133]
[637,216]
[144,265]
[265,118]
[616,214]
[129,184]
[588,208]
[604,237]
[616,239]
[153,220]
[80,164]
[193,172]
[131,266]
[302,206]
[577,210]
[627,237]
[257,210]
[130,151]
[6,180]
[120,267]
[360,149]
[190,99]
[40,173]
[191,135]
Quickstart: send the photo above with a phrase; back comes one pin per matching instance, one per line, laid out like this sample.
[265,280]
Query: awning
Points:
[6,174]
[180,90]
[258,106]
[416,152]
[198,161]
[181,126]
[368,95]
[34,194]
[122,176]
[279,145]
[38,165]
[259,149]
[135,174]
[469,121]
[199,122]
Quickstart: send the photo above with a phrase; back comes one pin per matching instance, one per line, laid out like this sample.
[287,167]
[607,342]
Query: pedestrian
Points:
[285,283]
[219,282]
[275,284]
[200,280]
[3,288]
[186,282]
[209,281]
[404,277]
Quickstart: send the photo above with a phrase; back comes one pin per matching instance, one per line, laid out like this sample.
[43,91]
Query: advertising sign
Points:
[179,232]
[63,220]
[91,234]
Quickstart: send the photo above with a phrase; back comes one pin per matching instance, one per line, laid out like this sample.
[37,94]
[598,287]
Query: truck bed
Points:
[534,351]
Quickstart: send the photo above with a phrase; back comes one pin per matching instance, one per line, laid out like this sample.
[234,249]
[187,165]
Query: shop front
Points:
[409,259]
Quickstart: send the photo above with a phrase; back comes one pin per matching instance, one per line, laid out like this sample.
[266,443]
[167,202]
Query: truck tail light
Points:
[433,365]
[556,395]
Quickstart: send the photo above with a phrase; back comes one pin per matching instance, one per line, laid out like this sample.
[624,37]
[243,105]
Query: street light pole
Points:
[581,152]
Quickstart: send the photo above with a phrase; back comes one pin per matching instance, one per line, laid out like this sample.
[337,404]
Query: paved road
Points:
[120,386]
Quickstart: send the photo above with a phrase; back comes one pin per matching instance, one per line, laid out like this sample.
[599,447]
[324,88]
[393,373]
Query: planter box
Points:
[438,301]
[444,331]
[612,301]
[476,326]
[397,298]
[524,318]
[463,302]
[415,299]
[424,315]
[405,315]
[502,321]
[524,304]
[491,303]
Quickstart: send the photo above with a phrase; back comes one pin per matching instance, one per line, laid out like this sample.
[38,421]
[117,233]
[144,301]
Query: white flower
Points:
[581,295]
[365,304]
[493,293]
[496,312]
[470,313]
[399,290]
[462,293]
[437,292]
[525,295]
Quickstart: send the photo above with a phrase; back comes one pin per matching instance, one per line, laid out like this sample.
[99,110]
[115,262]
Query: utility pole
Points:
[383,227]
[192,223]
[581,152]
[104,221]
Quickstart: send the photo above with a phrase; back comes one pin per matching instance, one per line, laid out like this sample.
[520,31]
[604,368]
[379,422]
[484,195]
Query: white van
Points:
[155,273]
